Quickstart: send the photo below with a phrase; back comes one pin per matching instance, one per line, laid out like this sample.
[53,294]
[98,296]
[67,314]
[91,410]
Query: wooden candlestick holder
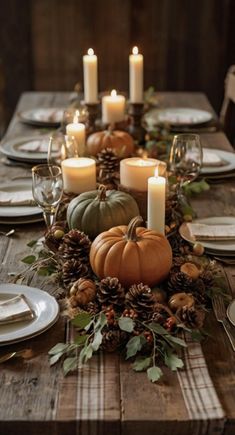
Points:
[140,197]
[92,116]
[135,127]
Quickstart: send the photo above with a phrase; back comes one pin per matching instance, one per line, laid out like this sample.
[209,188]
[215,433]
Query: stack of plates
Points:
[221,248]
[19,214]
[43,117]
[226,168]
[30,149]
[177,117]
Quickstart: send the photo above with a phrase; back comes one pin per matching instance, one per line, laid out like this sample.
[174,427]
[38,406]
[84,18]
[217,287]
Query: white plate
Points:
[18,210]
[41,116]
[226,156]
[223,247]
[231,312]
[12,149]
[45,307]
[177,116]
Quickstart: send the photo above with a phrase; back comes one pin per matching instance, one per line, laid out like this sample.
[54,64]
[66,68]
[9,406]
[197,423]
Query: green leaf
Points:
[154,374]
[177,340]
[46,271]
[85,354]
[81,320]
[97,341]
[81,339]
[173,361]
[134,345]
[126,324]
[53,360]
[58,348]
[32,243]
[30,259]
[101,321]
[158,329]
[196,335]
[70,364]
[141,364]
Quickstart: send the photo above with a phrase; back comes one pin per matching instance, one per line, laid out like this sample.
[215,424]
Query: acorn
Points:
[179,300]
[188,218]
[191,270]
[59,234]
[198,249]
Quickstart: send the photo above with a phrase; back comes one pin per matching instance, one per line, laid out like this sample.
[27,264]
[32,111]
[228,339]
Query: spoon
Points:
[25,353]
[9,233]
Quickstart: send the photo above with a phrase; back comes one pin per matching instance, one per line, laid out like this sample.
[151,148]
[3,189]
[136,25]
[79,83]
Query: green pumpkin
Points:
[99,210]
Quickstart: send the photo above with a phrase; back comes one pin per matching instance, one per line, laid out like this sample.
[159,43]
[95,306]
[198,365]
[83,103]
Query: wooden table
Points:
[37,399]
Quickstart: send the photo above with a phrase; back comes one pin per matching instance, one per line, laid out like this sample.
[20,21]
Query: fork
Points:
[220,314]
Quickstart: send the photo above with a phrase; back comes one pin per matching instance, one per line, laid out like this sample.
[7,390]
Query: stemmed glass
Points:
[185,158]
[47,189]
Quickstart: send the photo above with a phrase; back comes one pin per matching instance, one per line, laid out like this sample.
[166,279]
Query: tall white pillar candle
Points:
[156,204]
[134,172]
[77,130]
[90,77]
[79,174]
[136,62]
[113,108]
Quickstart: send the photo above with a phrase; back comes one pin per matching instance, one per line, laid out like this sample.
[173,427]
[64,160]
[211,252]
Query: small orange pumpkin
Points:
[131,254]
[118,140]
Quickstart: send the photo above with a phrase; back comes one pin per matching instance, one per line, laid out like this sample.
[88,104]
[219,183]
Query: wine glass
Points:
[47,189]
[185,158]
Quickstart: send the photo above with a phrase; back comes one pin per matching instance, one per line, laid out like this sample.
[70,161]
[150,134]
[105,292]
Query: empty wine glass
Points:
[47,189]
[185,158]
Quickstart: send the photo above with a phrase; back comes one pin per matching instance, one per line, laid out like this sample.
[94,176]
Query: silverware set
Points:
[221,316]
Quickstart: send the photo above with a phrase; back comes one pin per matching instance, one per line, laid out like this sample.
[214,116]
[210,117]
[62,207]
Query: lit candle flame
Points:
[90,52]
[76,117]
[156,172]
[135,50]
[113,93]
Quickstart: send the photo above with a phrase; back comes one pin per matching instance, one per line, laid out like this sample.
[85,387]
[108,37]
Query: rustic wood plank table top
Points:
[108,396]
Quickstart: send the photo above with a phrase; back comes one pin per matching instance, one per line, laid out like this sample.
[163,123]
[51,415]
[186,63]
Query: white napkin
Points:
[39,146]
[211,232]
[210,158]
[15,309]
[48,115]
[16,198]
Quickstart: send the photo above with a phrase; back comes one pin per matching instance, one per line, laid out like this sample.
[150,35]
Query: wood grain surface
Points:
[37,399]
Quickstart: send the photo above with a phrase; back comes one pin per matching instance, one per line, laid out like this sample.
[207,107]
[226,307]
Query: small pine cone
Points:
[83,291]
[140,298]
[113,339]
[111,292]
[92,308]
[108,161]
[76,245]
[208,278]
[192,318]
[180,282]
[72,270]
[200,292]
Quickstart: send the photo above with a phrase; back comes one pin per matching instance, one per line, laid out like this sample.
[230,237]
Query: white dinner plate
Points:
[227,158]
[177,116]
[231,312]
[10,211]
[222,247]
[46,311]
[43,116]
[23,148]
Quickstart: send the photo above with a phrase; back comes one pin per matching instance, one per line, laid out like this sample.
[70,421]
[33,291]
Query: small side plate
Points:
[231,312]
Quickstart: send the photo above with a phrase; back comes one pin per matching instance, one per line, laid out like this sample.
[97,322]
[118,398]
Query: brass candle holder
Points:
[135,127]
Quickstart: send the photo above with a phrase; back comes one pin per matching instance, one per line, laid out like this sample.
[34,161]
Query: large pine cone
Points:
[111,292]
[82,292]
[72,270]
[108,161]
[113,339]
[192,318]
[140,298]
[179,282]
[76,245]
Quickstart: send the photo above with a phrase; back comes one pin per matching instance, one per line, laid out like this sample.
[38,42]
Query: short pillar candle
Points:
[134,172]
[79,174]
[156,203]
[113,108]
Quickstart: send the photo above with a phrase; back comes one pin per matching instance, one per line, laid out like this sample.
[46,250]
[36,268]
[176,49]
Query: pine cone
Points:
[54,235]
[113,339]
[82,292]
[180,282]
[141,300]
[108,161]
[192,318]
[111,292]
[72,270]
[200,292]
[76,245]
[208,278]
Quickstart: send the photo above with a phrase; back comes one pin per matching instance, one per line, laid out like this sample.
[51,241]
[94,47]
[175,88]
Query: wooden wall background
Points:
[187,44]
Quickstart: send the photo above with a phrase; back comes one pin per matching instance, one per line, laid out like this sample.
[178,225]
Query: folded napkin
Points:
[211,232]
[39,146]
[48,115]
[16,198]
[210,158]
[15,309]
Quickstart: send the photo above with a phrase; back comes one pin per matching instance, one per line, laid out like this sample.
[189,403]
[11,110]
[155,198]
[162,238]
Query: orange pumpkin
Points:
[118,140]
[131,254]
